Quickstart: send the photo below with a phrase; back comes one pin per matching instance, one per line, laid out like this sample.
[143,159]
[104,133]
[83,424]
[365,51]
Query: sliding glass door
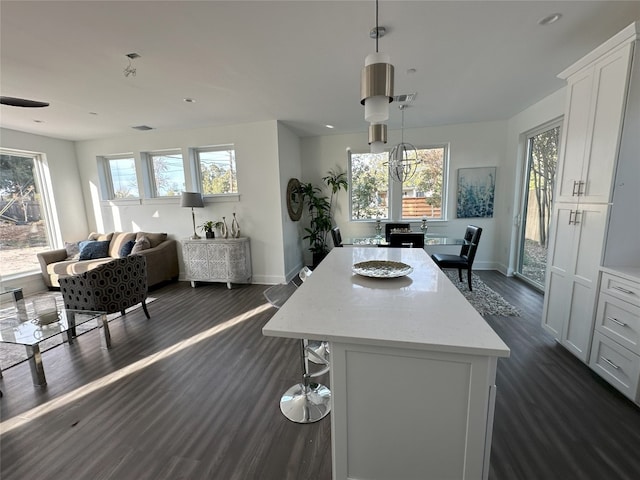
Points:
[535,215]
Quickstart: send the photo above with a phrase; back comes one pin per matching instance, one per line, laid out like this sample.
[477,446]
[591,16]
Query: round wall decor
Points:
[294,199]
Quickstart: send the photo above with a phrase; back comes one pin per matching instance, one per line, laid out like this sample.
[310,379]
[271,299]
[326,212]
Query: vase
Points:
[235,227]
[224,230]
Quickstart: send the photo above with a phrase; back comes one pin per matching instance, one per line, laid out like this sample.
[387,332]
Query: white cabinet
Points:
[597,96]
[577,237]
[615,354]
[592,124]
[217,260]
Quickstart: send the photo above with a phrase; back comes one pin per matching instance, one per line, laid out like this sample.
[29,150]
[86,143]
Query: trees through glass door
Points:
[542,158]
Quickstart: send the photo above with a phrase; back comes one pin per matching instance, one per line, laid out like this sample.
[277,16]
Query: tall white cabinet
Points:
[597,97]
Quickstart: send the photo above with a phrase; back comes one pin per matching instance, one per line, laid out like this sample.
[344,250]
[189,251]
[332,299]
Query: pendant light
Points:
[377,137]
[376,83]
[403,159]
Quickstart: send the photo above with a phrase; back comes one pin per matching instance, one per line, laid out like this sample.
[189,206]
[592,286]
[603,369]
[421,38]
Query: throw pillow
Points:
[73,250]
[155,239]
[100,236]
[126,248]
[92,249]
[141,244]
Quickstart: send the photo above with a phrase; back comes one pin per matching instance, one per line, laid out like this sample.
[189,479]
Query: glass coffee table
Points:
[23,330]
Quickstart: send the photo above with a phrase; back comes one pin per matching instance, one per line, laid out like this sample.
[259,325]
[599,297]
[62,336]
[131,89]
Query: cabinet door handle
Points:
[580,185]
[575,217]
[623,290]
[610,363]
[615,320]
[571,212]
[575,192]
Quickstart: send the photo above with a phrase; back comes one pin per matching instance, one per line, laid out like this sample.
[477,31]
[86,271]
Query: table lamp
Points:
[193,200]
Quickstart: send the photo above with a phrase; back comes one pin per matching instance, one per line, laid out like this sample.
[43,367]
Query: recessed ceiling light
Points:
[189,100]
[330,126]
[93,113]
[549,19]
[411,71]
[38,121]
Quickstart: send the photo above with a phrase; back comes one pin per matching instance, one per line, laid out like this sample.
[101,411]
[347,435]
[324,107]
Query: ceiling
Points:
[294,61]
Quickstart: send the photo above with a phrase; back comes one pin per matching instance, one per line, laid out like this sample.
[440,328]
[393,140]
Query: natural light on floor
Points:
[74,395]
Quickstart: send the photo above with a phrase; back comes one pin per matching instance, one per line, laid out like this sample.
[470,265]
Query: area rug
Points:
[11,354]
[485,300]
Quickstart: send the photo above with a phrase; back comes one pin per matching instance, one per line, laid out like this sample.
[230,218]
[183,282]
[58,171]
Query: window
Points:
[26,213]
[375,195]
[122,181]
[217,170]
[167,173]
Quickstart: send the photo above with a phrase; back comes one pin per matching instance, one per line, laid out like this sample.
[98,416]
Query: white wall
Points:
[258,182]
[290,167]
[546,110]
[60,157]
[471,145]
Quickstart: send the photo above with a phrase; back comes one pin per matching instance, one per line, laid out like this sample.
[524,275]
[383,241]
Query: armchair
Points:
[110,287]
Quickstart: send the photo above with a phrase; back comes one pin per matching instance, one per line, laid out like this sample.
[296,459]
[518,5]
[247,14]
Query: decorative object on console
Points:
[224,229]
[423,225]
[378,227]
[235,227]
[193,200]
[208,228]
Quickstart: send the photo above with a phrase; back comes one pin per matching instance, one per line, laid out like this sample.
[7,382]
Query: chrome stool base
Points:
[306,404]
[320,349]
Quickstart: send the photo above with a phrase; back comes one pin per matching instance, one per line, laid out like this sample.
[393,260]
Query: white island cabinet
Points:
[412,367]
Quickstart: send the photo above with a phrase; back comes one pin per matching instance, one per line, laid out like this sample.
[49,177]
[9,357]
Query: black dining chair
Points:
[464,261]
[336,236]
[407,240]
[388,227]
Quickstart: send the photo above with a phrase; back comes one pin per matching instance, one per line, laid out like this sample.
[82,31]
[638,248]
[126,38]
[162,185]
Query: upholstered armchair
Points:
[110,287]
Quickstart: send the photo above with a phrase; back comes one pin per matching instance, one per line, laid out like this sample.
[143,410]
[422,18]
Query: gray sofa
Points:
[161,254]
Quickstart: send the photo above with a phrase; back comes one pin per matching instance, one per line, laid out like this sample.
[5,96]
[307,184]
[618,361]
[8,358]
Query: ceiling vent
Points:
[405,98]
[142,127]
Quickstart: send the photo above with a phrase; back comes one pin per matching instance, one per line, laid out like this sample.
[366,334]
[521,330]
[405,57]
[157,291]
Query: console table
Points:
[217,260]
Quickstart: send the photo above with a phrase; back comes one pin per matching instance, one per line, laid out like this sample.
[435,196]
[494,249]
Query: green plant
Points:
[320,210]
[209,225]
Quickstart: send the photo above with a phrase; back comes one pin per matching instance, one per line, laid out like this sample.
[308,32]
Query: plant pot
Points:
[318,257]
[210,234]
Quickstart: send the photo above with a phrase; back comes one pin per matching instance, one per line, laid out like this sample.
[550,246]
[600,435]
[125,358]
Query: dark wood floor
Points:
[193,393]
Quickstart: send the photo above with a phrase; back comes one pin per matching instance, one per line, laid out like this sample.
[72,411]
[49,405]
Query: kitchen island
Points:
[412,367]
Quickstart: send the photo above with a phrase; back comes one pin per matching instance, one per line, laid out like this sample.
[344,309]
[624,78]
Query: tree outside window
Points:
[123,177]
[422,195]
[217,170]
[168,173]
[23,226]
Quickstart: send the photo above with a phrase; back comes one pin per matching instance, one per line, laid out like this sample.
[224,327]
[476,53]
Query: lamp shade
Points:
[377,137]
[376,87]
[192,199]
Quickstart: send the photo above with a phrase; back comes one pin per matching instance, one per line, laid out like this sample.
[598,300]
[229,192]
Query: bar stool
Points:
[305,402]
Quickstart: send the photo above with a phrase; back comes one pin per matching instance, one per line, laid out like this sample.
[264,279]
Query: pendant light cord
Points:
[377,31]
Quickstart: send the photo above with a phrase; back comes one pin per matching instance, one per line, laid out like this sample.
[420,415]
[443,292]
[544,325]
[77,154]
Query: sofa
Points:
[161,254]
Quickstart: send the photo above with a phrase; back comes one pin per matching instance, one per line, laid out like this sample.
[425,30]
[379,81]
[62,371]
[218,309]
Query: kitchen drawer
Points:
[621,288]
[620,321]
[617,365]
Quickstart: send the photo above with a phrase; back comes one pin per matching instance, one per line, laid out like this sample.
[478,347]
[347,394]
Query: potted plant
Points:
[208,228]
[320,210]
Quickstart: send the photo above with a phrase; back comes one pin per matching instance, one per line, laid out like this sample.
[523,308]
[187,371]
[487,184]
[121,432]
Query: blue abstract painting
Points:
[476,190]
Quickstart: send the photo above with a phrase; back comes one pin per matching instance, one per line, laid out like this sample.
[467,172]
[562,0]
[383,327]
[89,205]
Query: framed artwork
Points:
[476,190]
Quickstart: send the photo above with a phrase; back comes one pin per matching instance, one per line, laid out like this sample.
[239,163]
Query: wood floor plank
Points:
[194,393]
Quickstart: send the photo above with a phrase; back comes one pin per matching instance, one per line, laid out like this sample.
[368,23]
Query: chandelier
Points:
[376,91]
[403,158]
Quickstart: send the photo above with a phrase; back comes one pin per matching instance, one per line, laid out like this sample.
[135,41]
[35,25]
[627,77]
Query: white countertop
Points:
[422,310]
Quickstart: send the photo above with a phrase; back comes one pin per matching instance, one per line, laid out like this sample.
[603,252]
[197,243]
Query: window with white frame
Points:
[27,212]
[216,167]
[375,195]
[166,171]
[121,178]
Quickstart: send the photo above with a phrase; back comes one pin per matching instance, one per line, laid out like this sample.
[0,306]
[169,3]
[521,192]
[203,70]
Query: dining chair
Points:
[407,240]
[336,236]
[464,261]
[388,227]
